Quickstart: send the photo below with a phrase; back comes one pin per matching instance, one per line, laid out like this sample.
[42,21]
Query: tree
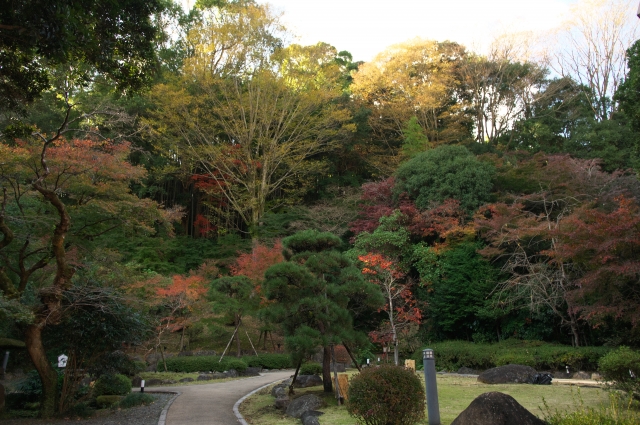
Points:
[415,141]
[591,50]
[58,196]
[417,78]
[315,295]
[443,173]
[256,137]
[400,304]
[115,38]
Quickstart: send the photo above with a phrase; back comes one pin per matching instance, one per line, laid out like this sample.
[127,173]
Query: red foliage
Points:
[204,226]
[606,245]
[376,202]
[255,263]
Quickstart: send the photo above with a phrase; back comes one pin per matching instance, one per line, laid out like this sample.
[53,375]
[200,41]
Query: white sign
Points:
[62,360]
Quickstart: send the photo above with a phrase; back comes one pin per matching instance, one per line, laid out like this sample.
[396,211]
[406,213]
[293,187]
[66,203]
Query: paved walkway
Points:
[212,404]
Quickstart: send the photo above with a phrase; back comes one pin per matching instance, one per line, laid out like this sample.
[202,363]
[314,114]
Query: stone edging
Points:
[236,406]
[163,415]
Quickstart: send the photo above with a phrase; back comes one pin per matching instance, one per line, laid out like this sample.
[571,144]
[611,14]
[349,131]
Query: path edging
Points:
[236,410]
[163,415]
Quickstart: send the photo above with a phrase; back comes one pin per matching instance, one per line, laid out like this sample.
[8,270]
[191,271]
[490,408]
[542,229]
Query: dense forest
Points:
[168,176]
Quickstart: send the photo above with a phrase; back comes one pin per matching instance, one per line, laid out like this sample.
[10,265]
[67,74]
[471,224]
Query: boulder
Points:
[467,371]
[306,402]
[509,374]
[596,376]
[205,377]
[496,408]
[252,371]
[581,375]
[562,375]
[280,391]
[282,403]
[185,354]
[310,420]
[186,379]
[231,373]
[305,381]
[313,413]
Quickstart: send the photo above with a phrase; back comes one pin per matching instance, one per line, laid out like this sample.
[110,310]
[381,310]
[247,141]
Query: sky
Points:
[367,27]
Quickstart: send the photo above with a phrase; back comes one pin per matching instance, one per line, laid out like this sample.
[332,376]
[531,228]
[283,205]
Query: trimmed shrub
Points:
[622,366]
[311,369]
[136,399]
[386,395]
[112,385]
[452,355]
[269,361]
[203,364]
[105,401]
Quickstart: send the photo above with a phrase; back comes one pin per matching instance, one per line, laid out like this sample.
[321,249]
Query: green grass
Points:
[454,393]
[176,376]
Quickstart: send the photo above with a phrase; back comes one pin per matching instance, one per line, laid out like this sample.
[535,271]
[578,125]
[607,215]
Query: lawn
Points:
[455,394]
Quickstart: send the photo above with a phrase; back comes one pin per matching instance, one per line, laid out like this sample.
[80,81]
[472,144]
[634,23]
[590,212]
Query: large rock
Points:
[305,381]
[496,408]
[280,391]
[282,403]
[509,374]
[252,371]
[302,404]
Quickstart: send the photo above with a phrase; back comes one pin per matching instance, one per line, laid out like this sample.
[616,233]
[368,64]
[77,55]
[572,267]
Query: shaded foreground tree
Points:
[57,196]
[316,293]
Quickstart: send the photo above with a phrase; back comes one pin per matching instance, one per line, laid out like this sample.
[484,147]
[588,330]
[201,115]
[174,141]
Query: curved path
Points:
[212,404]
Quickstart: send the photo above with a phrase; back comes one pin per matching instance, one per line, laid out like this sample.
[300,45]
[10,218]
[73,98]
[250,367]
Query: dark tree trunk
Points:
[326,370]
[49,377]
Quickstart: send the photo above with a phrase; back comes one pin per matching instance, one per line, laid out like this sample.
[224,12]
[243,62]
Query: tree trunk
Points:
[48,376]
[326,370]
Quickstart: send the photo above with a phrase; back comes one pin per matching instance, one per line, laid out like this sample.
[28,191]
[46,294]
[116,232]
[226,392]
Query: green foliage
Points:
[81,410]
[311,369]
[112,385]
[386,395]
[618,366]
[106,401]
[455,283]
[204,364]
[310,241]
[415,139]
[618,412]
[269,361]
[136,399]
[446,172]
[452,355]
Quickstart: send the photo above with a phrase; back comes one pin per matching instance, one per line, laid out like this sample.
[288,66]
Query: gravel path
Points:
[141,415]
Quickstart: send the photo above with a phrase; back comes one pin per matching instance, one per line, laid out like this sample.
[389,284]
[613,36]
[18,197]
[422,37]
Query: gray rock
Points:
[314,413]
[496,408]
[282,403]
[280,391]
[467,371]
[596,376]
[562,375]
[185,354]
[231,373]
[310,420]
[205,377]
[306,381]
[302,404]
[252,371]
[509,374]
[581,375]
[218,375]
[187,379]
[168,382]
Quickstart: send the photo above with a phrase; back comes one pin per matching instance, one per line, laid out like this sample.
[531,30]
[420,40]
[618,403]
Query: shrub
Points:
[515,358]
[269,361]
[386,395]
[112,385]
[136,399]
[203,364]
[622,366]
[81,410]
[105,401]
[311,369]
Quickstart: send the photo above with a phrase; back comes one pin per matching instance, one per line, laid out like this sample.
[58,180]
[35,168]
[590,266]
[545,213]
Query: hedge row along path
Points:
[212,404]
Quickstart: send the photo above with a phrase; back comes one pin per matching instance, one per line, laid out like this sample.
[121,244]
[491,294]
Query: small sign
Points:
[410,364]
[62,360]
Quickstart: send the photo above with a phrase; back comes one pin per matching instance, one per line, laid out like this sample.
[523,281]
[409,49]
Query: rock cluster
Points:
[303,407]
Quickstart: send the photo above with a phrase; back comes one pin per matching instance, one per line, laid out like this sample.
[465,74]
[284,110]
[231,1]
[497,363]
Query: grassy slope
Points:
[455,394]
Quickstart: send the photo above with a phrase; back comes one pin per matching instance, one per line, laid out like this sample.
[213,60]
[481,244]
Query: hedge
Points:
[188,364]
[269,361]
[452,355]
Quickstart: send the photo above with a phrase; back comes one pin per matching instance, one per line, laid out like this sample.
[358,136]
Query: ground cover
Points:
[455,394]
